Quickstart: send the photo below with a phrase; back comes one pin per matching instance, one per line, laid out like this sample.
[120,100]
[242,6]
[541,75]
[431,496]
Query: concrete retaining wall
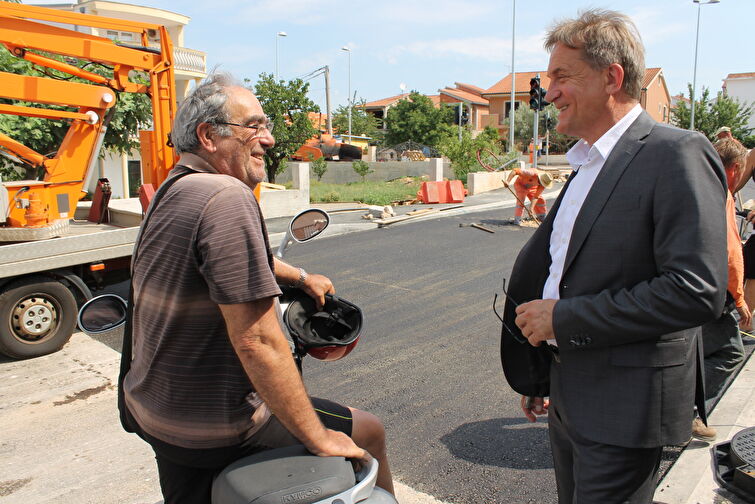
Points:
[291,201]
[341,172]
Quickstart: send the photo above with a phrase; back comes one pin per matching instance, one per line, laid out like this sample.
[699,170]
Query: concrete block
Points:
[480,182]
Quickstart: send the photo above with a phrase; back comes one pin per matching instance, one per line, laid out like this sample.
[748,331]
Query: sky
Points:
[425,45]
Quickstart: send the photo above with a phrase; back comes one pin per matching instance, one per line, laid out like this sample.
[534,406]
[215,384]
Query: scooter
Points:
[291,474]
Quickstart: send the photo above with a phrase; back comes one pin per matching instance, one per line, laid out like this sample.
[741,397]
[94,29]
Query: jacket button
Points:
[588,340]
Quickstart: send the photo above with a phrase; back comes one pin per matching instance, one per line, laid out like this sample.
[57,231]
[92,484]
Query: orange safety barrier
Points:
[446,191]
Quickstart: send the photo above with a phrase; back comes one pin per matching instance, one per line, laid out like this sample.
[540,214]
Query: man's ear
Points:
[206,136]
[614,78]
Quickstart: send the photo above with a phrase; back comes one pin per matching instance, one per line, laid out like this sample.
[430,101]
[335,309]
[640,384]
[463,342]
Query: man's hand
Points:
[751,217]
[338,444]
[535,319]
[317,286]
[745,317]
[532,406]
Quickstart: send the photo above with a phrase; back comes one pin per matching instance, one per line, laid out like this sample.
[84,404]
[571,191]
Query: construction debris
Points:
[477,226]
[382,212]
[413,215]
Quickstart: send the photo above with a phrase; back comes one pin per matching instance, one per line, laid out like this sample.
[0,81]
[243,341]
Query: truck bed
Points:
[84,242]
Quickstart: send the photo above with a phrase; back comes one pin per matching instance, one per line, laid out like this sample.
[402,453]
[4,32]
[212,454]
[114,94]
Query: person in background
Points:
[722,342]
[529,183]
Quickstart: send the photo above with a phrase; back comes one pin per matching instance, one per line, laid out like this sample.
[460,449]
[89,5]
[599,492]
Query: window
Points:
[507,107]
[134,177]
[119,35]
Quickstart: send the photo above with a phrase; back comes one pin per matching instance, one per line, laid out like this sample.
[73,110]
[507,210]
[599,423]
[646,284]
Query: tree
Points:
[362,122]
[287,106]
[523,129]
[362,168]
[133,111]
[319,167]
[463,154]
[712,114]
[416,119]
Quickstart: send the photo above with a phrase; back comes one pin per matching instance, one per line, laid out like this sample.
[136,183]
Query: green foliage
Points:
[319,167]
[370,192]
[712,114]
[287,105]
[362,123]
[133,111]
[523,130]
[362,168]
[749,141]
[463,154]
[418,120]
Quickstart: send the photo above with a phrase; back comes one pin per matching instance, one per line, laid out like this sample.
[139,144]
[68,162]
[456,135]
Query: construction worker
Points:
[530,183]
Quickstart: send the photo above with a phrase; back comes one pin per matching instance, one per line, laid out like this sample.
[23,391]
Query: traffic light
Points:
[537,95]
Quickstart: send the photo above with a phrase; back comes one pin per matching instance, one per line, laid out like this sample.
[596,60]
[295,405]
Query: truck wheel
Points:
[37,317]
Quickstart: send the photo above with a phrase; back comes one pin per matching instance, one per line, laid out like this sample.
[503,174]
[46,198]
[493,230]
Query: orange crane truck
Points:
[50,262]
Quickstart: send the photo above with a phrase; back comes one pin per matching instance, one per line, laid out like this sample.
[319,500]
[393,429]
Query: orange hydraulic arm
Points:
[42,203]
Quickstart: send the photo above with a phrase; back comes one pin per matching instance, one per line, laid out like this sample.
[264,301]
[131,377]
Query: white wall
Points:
[743,89]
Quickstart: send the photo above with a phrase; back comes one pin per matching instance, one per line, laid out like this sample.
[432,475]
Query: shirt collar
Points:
[581,152]
[195,163]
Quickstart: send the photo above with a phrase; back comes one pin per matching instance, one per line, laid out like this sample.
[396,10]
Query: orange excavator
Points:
[48,203]
[50,262]
[324,145]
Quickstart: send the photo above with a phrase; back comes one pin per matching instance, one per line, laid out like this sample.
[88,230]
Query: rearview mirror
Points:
[304,226]
[309,224]
[103,314]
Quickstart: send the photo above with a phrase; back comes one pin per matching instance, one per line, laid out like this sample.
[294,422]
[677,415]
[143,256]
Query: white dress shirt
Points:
[588,160]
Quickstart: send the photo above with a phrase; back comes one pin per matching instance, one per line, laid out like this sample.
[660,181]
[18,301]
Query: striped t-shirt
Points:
[205,244]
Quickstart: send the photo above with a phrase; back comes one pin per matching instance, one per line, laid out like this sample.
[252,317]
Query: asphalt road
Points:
[428,363]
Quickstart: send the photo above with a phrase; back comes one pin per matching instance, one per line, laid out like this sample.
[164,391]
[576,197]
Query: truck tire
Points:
[37,317]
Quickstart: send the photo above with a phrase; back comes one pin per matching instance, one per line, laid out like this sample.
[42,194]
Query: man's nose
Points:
[551,94]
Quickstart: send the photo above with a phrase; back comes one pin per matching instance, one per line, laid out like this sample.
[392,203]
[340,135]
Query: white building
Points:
[741,86]
[124,172]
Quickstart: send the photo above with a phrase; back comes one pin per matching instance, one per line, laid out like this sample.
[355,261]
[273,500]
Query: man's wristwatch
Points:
[302,278]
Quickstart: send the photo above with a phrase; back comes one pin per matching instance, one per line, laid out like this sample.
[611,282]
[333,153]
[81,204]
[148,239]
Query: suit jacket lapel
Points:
[622,154]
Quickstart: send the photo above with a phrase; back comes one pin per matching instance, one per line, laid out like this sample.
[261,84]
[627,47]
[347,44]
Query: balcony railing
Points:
[190,60]
[187,60]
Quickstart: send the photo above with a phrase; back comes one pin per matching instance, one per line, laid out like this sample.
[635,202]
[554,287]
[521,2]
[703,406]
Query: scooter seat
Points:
[283,475]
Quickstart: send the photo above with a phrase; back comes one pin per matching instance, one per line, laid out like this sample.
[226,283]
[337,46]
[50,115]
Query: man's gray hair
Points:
[206,103]
[605,37]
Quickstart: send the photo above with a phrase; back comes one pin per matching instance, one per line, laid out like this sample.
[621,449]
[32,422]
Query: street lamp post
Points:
[513,81]
[277,35]
[694,71]
[344,48]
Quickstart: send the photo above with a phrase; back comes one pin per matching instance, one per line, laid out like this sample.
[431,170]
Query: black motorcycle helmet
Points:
[328,334]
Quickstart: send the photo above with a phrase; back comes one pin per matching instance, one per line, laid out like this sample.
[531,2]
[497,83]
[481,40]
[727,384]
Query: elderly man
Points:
[607,297]
[212,377]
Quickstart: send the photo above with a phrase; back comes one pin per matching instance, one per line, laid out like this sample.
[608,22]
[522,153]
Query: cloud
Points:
[529,50]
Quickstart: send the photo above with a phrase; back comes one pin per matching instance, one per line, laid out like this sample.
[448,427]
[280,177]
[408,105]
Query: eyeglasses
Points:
[259,129]
[515,333]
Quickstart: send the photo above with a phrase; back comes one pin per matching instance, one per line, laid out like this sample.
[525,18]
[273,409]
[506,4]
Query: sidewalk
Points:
[690,480]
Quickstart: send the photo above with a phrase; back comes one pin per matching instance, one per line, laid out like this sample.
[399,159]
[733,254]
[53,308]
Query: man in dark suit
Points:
[606,298]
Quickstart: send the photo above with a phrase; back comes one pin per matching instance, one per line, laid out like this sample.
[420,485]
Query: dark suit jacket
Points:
[646,266]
